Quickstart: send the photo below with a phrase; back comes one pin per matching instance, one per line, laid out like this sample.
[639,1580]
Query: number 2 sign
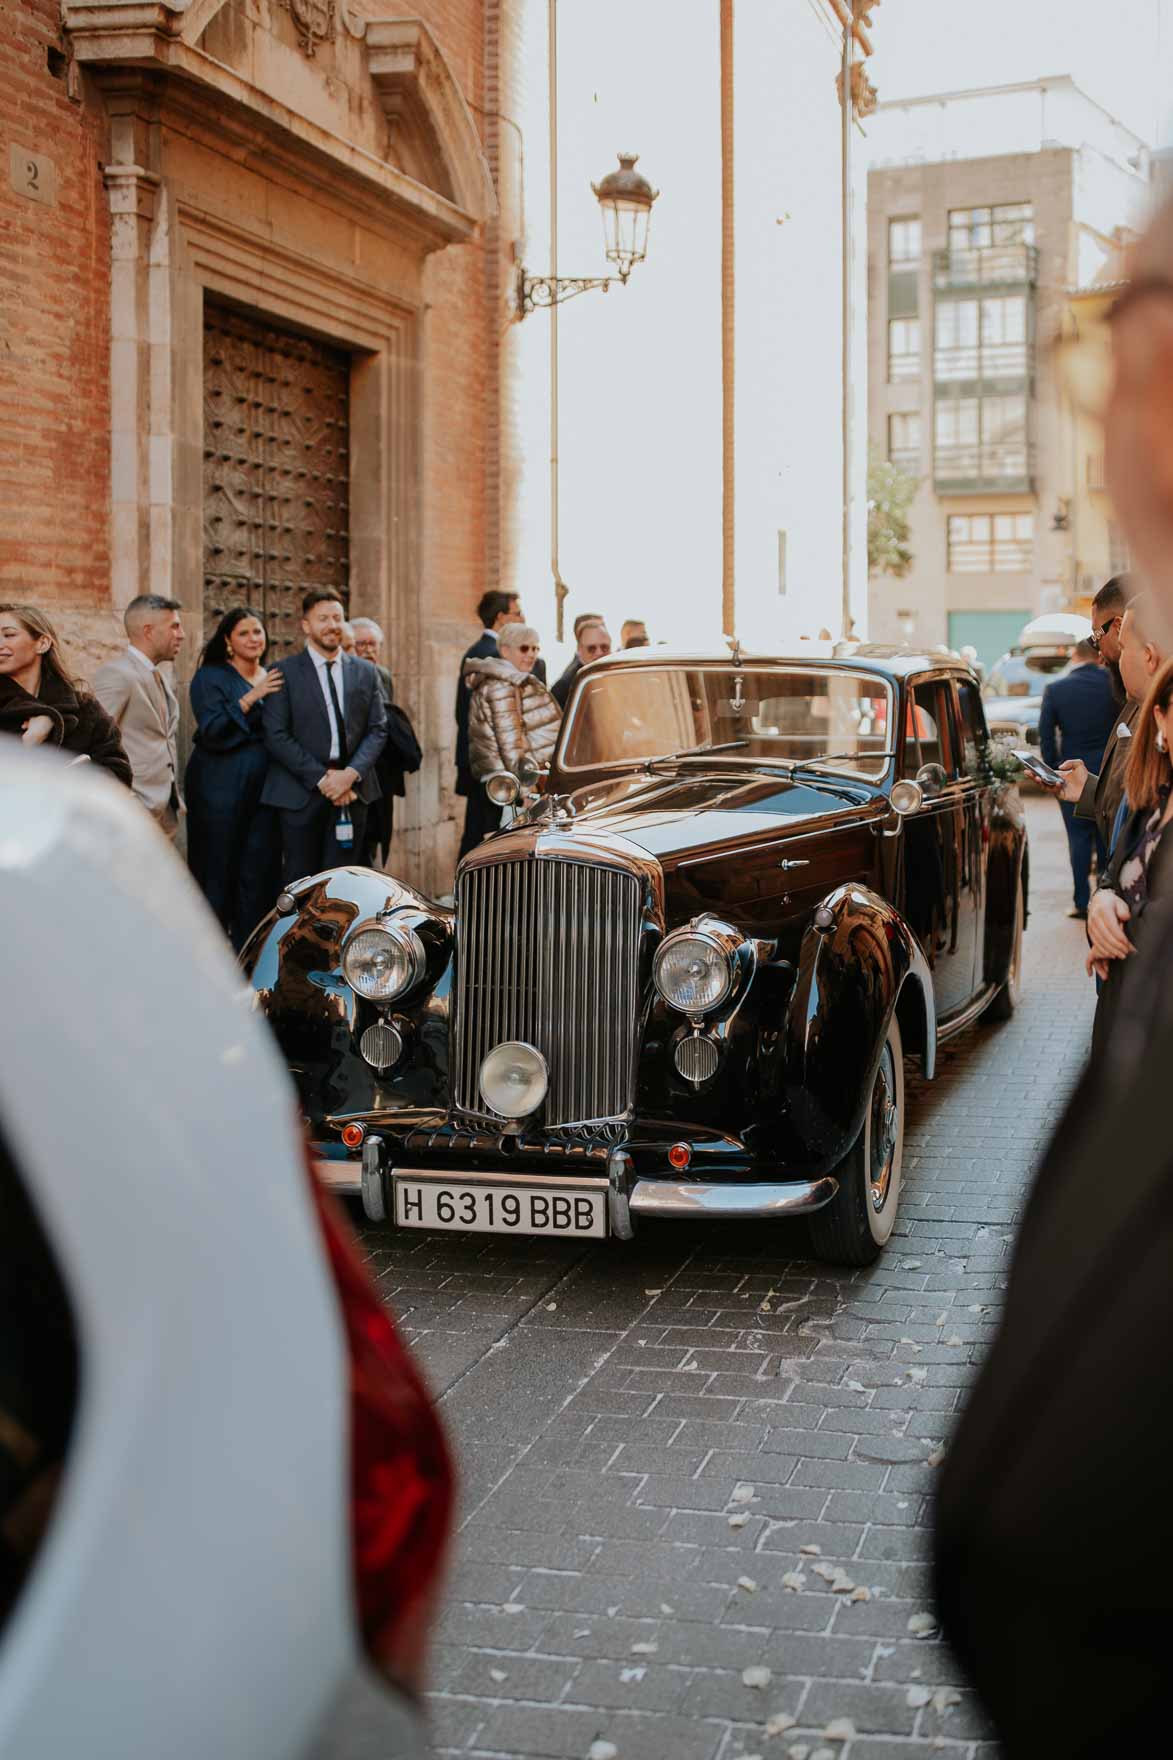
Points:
[32,175]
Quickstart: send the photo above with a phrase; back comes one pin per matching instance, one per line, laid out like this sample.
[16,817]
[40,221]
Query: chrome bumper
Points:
[655,1197]
[343,1178]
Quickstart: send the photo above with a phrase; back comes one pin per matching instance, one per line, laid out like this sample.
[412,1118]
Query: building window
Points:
[904,440]
[980,439]
[903,348]
[903,242]
[980,229]
[980,338]
[991,543]
[1119,560]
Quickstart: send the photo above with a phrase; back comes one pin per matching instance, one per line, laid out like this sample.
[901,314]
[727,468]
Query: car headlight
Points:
[380,962]
[502,788]
[692,972]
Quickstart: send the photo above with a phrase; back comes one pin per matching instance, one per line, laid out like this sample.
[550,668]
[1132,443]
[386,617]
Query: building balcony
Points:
[973,362]
[1005,467]
[998,265]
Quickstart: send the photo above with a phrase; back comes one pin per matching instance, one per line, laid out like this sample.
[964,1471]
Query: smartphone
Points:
[1040,771]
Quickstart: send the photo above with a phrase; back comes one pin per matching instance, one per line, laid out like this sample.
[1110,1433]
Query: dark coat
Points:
[233,842]
[1054,1524]
[560,689]
[81,725]
[1104,791]
[1077,717]
[297,730]
[485,647]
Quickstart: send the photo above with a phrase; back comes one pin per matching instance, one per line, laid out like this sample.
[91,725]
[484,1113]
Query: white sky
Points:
[1119,51]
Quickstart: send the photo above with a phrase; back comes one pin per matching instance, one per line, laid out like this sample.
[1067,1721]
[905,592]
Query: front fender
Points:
[852,974]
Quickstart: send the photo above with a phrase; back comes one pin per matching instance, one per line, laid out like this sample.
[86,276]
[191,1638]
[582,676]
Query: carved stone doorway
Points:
[276,472]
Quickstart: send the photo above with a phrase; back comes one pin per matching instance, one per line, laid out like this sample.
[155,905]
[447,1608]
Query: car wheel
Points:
[1007,997]
[853,1228]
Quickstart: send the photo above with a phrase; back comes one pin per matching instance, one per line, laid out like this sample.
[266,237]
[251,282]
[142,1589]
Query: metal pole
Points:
[848,259]
[560,588]
[728,330]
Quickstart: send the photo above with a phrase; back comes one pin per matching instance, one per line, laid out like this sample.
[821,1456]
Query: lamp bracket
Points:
[536,292]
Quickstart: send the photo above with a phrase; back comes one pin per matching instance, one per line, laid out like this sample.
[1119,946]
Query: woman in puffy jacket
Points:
[41,703]
[511,713]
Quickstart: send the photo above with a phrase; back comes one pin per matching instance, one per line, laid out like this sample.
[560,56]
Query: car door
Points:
[973,791]
[934,843]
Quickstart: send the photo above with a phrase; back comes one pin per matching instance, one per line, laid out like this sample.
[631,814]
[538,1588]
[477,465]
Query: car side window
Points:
[922,727]
[973,728]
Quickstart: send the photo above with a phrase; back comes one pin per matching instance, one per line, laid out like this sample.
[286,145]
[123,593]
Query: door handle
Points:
[793,862]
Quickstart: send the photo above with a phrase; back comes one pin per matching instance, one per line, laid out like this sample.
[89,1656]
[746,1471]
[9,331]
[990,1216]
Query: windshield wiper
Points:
[729,745]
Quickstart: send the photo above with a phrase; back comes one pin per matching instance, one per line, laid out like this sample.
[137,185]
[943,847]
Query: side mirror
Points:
[931,778]
[502,788]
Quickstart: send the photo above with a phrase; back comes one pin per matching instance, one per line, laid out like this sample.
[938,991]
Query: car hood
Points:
[670,816]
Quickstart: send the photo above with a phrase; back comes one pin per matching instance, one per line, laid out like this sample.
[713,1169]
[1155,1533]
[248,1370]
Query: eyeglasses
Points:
[1082,361]
[528,648]
[1098,635]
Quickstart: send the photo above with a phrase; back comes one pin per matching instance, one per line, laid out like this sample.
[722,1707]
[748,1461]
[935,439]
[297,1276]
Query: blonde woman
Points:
[42,703]
[511,714]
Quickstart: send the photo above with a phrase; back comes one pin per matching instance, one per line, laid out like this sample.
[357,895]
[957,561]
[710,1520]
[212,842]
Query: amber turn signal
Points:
[353,1134]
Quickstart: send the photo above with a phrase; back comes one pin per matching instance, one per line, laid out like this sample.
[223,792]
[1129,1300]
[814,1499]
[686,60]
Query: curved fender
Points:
[852,974]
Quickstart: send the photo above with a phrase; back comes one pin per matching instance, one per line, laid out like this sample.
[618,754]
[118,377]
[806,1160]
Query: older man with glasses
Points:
[1054,1536]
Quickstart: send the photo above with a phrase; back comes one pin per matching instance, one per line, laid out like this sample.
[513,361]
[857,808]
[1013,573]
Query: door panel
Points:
[937,854]
[276,472]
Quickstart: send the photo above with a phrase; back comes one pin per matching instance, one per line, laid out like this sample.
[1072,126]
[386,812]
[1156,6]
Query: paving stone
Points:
[600,1441]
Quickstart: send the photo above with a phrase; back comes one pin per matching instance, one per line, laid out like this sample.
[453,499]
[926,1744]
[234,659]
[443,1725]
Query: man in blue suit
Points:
[1076,721]
[324,733]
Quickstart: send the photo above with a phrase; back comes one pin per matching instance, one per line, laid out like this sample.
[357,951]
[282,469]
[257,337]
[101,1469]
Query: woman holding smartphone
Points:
[233,842]
[1141,868]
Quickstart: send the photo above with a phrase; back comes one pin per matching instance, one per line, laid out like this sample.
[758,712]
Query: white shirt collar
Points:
[141,657]
[491,633]
[320,660]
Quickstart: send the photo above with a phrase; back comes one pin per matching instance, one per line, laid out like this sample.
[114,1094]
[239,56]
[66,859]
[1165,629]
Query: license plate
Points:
[500,1209]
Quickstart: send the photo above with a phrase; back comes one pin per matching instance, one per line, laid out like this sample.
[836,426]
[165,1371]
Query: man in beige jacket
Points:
[135,694]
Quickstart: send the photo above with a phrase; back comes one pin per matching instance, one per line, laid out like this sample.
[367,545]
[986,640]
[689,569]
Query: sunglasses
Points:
[1098,635]
[1082,360]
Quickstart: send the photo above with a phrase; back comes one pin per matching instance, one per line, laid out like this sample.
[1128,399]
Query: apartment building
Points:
[971,264]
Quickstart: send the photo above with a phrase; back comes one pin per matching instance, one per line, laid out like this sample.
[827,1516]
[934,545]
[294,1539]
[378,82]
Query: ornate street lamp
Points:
[625,198]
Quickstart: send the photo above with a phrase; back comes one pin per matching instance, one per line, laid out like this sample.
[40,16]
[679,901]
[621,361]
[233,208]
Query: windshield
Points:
[630,715]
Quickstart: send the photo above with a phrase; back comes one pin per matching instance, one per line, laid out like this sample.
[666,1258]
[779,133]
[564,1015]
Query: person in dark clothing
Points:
[324,732]
[233,841]
[593,642]
[43,705]
[1096,795]
[1053,1547]
[495,610]
[1076,722]
[368,645]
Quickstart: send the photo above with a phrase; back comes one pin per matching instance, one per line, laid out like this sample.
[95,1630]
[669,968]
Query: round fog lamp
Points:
[692,973]
[502,788]
[514,1079]
[381,1045]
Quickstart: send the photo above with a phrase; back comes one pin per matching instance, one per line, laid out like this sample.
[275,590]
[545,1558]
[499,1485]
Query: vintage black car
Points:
[684,981]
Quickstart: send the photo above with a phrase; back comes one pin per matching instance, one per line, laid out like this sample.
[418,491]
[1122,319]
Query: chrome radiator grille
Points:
[548,952]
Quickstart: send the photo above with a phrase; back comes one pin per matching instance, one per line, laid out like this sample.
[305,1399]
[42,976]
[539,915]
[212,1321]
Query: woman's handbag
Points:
[402,748]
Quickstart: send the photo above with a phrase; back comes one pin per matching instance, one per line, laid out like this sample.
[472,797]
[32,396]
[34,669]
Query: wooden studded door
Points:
[276,472]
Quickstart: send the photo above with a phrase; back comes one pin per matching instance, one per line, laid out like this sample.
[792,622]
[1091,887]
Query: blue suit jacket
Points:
[297,730]
[1077,717]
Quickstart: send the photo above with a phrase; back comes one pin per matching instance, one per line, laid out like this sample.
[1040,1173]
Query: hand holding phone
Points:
[1041,772]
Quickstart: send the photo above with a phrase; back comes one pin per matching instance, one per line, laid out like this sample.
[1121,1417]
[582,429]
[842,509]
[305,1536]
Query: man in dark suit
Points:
[1076,722]
[495,610]
[593,641]
[1054,1526]
[324,733]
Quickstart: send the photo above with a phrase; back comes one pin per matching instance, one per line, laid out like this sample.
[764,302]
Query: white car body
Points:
[192,1597]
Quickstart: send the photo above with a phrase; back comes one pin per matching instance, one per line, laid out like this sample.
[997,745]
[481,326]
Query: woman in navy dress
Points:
[233,842]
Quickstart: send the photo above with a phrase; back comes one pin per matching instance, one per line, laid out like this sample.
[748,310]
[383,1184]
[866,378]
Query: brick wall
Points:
[54,337]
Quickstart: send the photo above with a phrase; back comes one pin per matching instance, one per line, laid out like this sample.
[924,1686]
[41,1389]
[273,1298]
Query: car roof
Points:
[896,662]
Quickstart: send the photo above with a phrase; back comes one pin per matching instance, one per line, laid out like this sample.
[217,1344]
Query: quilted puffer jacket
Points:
[511,713]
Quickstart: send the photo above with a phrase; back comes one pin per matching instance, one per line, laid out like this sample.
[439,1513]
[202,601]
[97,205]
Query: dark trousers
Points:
[481,819]
[377,842]
[308,843]
[1083,838]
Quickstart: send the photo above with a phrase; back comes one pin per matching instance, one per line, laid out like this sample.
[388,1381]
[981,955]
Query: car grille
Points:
[547,952]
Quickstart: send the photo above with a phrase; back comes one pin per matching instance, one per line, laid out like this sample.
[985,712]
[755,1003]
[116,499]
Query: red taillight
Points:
[680,1155]
[401,1475]
[353,1134]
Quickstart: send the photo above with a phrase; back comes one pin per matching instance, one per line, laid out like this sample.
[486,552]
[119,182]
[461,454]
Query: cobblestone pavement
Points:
[703,1453]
